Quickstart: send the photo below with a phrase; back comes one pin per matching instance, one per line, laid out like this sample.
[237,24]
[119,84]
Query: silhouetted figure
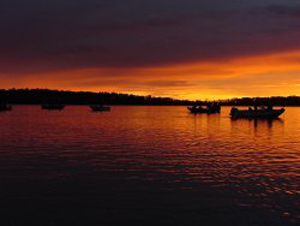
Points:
[270,107]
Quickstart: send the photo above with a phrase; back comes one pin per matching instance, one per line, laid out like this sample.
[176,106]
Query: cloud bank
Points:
[46,37]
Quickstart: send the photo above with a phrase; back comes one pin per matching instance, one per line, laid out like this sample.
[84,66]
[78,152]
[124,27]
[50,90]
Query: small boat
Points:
[58,107]
[266,113]
[4,107]
[99,108]
[209,109]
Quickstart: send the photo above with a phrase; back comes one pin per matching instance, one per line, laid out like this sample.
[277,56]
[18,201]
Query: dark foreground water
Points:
[147,166]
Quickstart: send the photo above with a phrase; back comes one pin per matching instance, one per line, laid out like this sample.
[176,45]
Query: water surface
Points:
[148,166]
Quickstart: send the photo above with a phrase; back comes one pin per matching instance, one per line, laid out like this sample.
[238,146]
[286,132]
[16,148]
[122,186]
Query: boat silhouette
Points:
[265,113]
[99,108]
[4,107]
[58,107]
[209,109]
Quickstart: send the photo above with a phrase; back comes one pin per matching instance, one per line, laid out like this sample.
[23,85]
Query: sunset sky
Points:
[187,49]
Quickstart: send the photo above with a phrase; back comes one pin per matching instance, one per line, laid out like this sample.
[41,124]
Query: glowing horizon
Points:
[223,50]
[276,74]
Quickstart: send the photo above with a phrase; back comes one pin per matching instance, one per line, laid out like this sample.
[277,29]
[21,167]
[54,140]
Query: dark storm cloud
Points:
[53,35]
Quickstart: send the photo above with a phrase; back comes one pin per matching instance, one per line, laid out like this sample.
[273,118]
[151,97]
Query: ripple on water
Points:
[247,164]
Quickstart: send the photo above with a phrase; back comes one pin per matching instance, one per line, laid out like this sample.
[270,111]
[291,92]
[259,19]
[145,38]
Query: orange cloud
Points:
[265,75]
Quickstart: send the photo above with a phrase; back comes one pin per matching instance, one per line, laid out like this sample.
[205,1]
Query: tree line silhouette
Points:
[262,101]
[47,96]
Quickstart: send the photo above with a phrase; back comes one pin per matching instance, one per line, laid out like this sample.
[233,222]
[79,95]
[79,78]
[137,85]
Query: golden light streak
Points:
[265,75]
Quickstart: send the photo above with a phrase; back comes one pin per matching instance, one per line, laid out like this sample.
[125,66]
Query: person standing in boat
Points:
[270,107]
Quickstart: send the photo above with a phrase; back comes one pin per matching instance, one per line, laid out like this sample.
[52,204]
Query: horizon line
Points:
[111,92]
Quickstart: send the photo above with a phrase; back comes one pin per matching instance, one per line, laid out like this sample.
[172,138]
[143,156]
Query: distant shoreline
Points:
[130,105]
[46,96]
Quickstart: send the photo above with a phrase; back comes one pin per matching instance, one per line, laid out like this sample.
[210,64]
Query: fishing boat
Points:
[4,107]
[99,108]
[58,107]
[267,113]
[209,109]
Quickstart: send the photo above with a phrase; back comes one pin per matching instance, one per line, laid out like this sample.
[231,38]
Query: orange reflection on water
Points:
[254,162]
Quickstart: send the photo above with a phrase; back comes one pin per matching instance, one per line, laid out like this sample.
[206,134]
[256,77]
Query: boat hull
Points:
[265,114]
[53,107]
[6,108]
[100,108]
[203,110]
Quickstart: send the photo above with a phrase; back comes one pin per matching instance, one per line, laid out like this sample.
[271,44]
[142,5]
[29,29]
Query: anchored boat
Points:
[58,107]
[209,109]
[268,113]
[99,108]
[4,107]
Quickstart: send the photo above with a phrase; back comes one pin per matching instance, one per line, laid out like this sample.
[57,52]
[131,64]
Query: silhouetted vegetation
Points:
[259,101]
[45,96]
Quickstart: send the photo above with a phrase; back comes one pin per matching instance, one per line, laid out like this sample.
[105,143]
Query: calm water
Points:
[148,166]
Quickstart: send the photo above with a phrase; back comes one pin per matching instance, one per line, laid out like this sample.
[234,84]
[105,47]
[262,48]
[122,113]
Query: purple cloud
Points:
[58,35]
